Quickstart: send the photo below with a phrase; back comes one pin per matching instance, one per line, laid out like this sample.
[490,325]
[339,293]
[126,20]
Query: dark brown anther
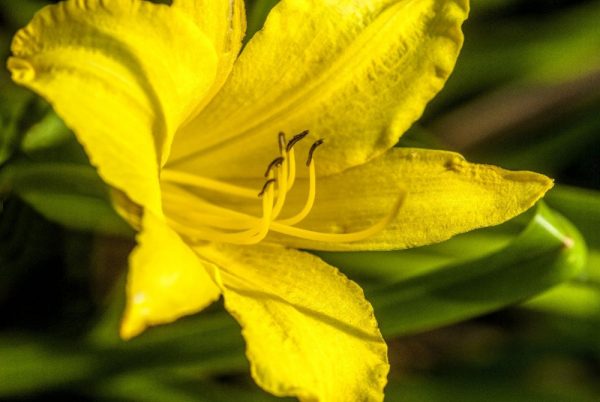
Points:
[265,187]
[282,141]
[295,139]
[313,147]
[275,163]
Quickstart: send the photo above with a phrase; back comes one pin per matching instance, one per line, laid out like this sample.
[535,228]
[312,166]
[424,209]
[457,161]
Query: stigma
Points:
[199,220]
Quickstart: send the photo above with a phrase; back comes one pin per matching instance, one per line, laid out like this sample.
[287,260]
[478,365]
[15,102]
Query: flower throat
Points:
[207,221]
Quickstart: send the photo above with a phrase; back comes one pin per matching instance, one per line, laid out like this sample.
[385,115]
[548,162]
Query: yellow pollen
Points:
[207,222]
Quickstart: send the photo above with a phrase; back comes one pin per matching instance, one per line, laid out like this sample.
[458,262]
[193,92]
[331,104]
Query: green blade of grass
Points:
[70,194]
[548,252]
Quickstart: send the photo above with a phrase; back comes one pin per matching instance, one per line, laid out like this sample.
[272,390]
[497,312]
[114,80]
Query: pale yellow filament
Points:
[219,218]
[292,169]
[250,236]
[220,224]
[310,200]
[177,203]
[282,187]
[206,183]
[339,237]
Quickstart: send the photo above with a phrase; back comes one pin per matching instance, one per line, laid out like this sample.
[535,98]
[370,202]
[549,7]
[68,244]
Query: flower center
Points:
[207,221]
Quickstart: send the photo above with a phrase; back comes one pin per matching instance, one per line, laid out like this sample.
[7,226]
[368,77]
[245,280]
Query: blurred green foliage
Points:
[525,95]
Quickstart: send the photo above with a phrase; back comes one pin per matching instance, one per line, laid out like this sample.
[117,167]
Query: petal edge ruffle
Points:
[120,73]
[309,331]
[356,73]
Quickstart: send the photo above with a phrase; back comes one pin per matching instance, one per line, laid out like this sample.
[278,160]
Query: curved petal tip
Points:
[21,69]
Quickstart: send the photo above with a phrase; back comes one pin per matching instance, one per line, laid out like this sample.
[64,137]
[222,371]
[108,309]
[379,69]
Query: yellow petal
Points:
[123,74]
[166,280]
[445,195]
[223,22]
[309,331]
[357,73]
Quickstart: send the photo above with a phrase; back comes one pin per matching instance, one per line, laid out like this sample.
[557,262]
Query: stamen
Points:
[310,200]
[265,223]
[295,139]
[340,237]
[209,222]
[206,212]
[250,236]
[282,188]
[289,149]
[265,187]
[291,169]
[275,163]
[313,147]
[193,180]
[282,142]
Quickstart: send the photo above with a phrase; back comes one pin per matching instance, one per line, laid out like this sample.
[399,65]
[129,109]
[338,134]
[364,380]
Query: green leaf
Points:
[153,387]
[580,298]
[49,132]
[70,194]
[201,345]
[571,299]
[548,252]
[13,105]
[29,365]
[385,266]
[257,14]
[582,207]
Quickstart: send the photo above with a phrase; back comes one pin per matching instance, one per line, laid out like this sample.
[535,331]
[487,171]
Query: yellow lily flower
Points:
[183,128]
